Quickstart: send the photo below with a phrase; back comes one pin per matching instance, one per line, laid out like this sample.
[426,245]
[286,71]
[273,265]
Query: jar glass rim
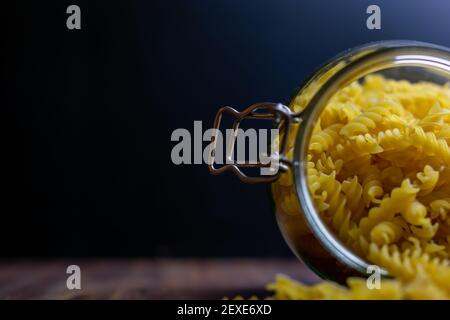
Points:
[359,62]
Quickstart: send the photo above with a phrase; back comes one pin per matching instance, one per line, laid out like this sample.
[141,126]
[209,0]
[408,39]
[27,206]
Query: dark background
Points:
[87,115]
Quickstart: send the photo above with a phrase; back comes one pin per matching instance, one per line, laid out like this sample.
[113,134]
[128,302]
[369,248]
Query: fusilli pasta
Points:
[379,175]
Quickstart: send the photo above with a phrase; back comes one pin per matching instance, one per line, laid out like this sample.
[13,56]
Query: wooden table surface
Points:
[146,279]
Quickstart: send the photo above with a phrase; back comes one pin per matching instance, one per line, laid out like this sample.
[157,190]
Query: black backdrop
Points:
[87,115]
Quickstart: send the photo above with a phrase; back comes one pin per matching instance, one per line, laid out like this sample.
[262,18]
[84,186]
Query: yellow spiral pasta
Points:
[379,174]
[324,139]
[365,121]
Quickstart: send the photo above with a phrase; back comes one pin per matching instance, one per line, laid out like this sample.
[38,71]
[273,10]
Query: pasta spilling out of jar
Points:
[379,175]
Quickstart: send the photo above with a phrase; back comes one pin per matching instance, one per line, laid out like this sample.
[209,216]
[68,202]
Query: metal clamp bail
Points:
[282,117]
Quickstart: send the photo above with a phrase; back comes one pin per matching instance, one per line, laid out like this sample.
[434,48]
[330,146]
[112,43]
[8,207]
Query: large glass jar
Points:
[307,235]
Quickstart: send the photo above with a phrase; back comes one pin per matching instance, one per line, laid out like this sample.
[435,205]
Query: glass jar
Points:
[306,234]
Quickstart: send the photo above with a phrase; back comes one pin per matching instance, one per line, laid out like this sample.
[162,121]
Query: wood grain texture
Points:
[146,279]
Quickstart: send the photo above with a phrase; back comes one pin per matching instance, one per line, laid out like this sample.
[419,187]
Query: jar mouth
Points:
[356,64]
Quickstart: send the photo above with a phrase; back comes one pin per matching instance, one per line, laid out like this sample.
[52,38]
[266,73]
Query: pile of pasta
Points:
[379,174]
